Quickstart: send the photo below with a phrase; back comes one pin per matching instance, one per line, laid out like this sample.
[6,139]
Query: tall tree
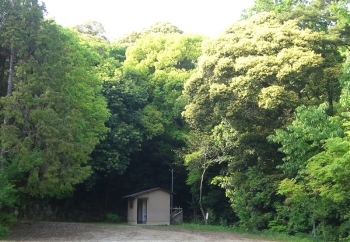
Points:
[203,156]
[56,114]
[316,149]
[25,17]
[253,77]
[19,22]
[305,136]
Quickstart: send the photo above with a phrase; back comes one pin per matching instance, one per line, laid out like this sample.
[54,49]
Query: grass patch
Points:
[209,227]
[262,235]
[103,223]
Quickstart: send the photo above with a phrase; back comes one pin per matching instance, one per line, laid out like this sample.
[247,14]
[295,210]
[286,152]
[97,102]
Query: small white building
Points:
[151,207]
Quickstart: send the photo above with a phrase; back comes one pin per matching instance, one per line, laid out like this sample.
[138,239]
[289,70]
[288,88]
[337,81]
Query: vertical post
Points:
[172,189]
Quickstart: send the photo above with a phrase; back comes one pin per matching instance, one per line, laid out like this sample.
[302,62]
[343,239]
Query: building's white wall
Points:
[158,208]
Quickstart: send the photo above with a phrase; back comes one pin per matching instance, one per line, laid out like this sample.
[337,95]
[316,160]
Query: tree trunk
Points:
[200,196]
[11,72]
[314,227]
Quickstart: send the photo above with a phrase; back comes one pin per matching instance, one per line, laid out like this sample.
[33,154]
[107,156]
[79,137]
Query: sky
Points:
[120,17]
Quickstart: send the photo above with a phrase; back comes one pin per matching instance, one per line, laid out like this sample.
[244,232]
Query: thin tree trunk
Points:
[314,234]
[200,196]
[9,93]
[11,72]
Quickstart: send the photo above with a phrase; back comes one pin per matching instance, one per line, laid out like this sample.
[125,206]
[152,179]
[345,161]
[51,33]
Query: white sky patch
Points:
[119,17]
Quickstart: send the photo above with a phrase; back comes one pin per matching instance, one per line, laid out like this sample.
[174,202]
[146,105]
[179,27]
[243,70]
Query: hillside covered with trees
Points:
[254,123]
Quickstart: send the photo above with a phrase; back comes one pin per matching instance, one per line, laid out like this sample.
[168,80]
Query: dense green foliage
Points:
[53,110]
[254,124]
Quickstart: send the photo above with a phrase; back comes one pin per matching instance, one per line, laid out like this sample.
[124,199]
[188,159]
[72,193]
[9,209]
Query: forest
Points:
[254,124]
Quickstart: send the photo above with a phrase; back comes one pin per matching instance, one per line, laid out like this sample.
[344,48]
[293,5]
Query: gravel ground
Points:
[59,231]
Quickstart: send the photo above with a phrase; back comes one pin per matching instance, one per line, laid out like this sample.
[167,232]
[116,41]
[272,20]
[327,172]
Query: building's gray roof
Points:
[147,191]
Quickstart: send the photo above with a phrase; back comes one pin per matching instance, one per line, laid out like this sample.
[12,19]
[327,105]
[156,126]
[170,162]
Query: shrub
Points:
[6,221]
[114,218]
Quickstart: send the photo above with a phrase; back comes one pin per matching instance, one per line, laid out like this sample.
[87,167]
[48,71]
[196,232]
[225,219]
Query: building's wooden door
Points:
[142,211]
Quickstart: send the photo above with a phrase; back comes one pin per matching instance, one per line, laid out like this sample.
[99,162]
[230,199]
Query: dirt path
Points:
[54,231]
